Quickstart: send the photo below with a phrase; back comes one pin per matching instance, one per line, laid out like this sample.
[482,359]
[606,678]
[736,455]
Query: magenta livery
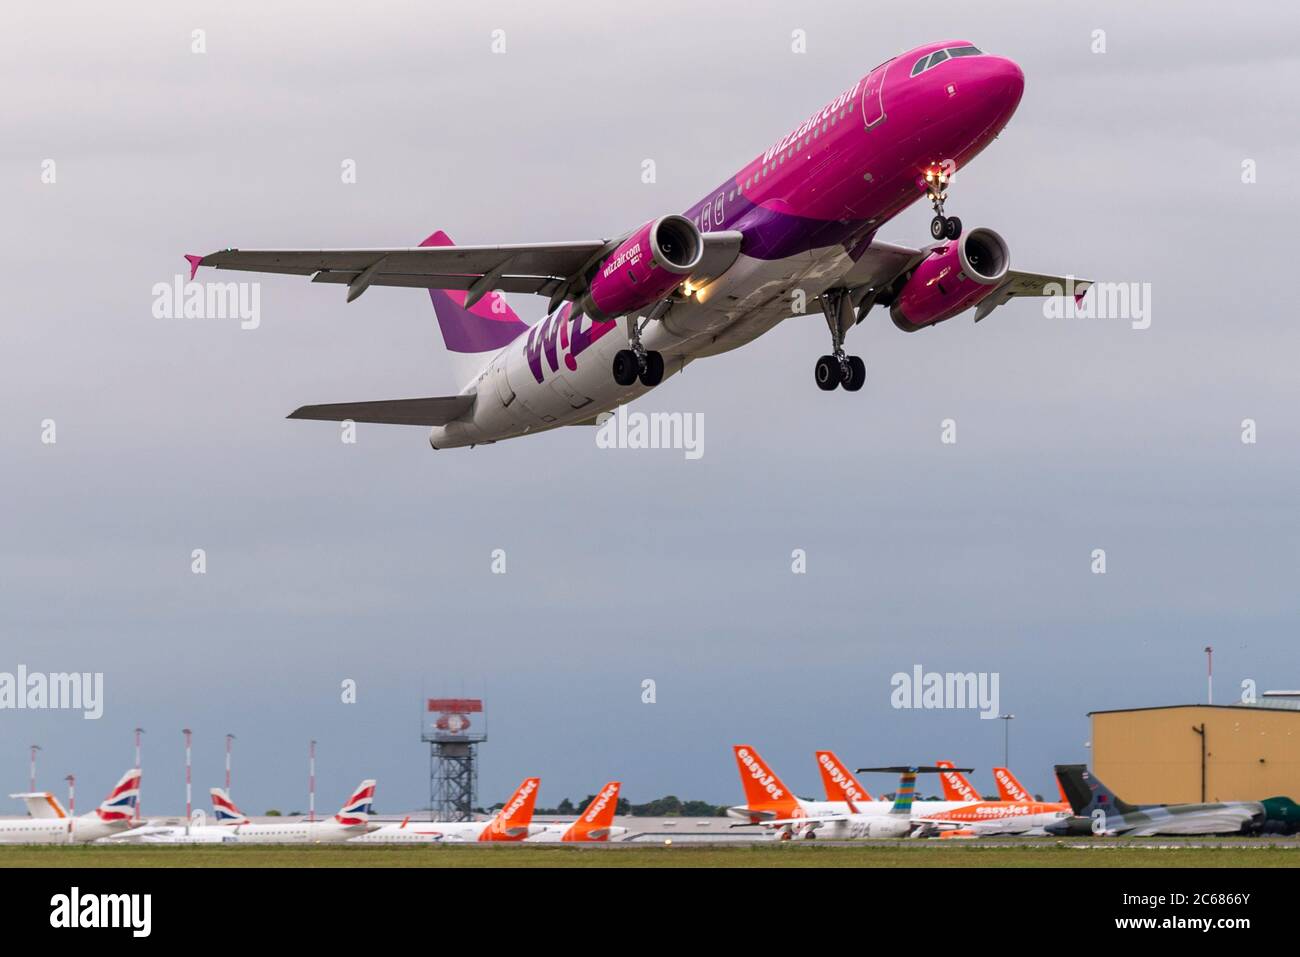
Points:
[794,232]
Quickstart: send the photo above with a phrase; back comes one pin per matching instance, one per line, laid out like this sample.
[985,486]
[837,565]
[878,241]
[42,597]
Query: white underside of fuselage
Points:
[753,296]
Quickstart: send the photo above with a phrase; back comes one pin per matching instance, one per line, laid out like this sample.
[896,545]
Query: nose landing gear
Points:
[839,368]
[936,188]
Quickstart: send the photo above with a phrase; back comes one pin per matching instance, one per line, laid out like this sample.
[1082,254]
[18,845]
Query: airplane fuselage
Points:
[807,209]
[72,830]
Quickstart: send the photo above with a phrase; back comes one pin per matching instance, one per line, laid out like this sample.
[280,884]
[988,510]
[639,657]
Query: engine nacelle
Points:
[644,268]
[952,279]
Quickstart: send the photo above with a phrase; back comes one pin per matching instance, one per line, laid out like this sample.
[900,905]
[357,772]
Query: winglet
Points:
[195,262]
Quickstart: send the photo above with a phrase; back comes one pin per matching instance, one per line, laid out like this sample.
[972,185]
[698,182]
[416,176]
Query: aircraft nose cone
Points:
[1003,80]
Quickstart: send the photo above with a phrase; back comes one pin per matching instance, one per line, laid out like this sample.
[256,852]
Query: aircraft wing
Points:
[1036,284]
[883,267]
[436,410]
[548,269]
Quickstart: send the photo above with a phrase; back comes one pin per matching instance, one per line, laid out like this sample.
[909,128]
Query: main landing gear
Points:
[936,188]
[839,368]
[636,362]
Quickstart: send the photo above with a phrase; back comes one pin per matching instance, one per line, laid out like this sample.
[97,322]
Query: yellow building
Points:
[1189,753]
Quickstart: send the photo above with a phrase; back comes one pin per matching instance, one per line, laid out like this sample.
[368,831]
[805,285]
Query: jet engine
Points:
[644,269]
[951,279]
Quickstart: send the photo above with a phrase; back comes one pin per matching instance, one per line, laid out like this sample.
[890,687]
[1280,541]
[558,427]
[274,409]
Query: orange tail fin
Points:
[1009,789]
[763,789]
[512,821]
[595,821]
[955,785]
[838,780]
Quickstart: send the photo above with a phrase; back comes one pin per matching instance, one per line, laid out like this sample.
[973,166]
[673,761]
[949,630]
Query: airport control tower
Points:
[453,756]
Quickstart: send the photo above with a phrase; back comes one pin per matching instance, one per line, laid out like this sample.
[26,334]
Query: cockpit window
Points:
[938,56]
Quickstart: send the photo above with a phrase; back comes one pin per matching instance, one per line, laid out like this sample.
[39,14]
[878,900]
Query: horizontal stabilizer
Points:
[437,410]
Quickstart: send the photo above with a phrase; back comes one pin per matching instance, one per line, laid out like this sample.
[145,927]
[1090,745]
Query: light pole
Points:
[32,769]
[311,781]
[1209,674]
[138,767]
[189,794]
[229,739]
[1006,720]
[72,803]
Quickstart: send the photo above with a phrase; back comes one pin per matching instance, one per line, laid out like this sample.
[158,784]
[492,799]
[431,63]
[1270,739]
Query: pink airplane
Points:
[794,230]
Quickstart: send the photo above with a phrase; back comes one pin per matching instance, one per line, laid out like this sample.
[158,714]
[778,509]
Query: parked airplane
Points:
[352,819]
[595,824]
[767,798]
[512,823]
[53,825]
[983,818]
[1112,815]
[795,228]
[866,821]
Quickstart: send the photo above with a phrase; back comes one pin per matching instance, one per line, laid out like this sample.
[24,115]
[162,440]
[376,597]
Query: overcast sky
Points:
[371,561]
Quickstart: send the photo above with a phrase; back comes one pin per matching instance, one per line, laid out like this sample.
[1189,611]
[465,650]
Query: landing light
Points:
[687,289]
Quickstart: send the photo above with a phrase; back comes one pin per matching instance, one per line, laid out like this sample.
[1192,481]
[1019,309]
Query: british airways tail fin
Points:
[121,802]
[356,811]
[472,335]
[224,810]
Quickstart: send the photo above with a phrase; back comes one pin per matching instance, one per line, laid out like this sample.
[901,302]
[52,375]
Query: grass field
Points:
[1039,854]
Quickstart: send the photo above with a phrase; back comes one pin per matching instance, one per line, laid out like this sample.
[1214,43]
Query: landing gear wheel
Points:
[653,373]
[951,227]
[938,227]
[854,374]
[626,367]
[828,373]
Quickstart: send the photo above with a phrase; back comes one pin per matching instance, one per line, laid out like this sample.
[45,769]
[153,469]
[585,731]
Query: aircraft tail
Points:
[121,802]
[596,819]
[224,810]
[838,780]
[1086,793]
[513,820]
[358,808]
[41,804]
[956,786]
[1009,789]
[472,335]
[906,793]
[764,791]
